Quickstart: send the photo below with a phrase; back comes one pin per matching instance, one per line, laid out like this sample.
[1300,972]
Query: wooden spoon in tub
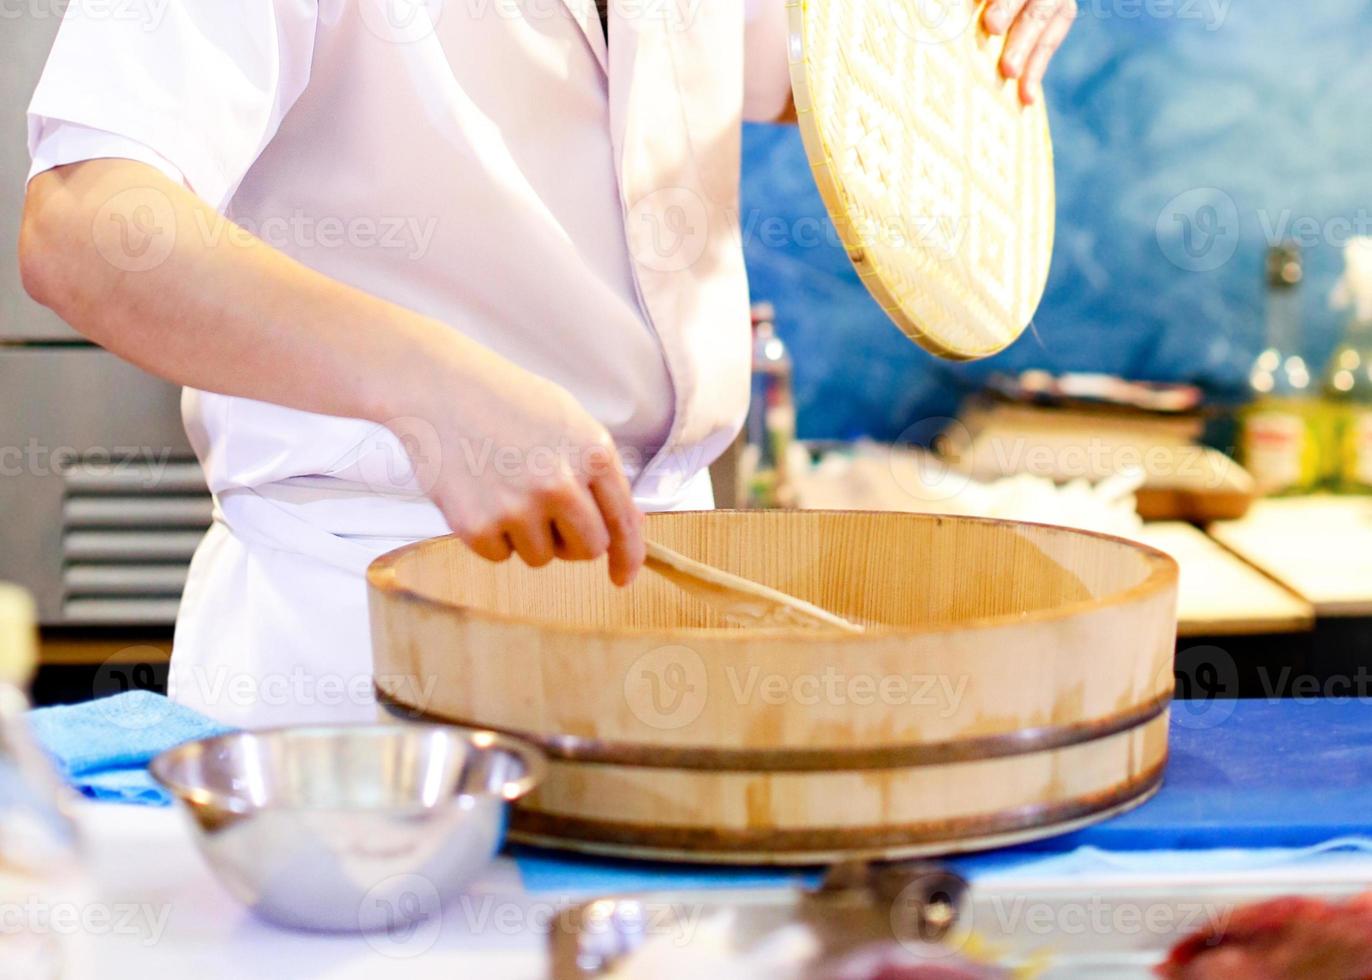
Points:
[740,602]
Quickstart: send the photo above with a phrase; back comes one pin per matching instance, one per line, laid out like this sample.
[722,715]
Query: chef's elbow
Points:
[41,237]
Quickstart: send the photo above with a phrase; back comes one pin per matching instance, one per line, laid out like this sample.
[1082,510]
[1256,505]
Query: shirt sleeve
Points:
[196,88]
[54,143]
[767,69]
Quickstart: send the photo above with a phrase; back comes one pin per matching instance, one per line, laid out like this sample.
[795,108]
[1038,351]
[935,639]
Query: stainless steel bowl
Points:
[349,828]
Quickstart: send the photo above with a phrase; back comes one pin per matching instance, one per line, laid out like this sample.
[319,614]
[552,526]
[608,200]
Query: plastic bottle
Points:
[1348,382]
[1279,430]
[40,874]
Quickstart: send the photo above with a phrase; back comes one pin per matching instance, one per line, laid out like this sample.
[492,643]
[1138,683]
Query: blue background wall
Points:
[1188,134]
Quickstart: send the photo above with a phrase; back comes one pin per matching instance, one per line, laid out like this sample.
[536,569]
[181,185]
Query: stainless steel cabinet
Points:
[101,499]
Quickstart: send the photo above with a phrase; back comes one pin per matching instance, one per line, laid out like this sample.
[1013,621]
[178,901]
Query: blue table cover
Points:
[1255,783]
[1249,784]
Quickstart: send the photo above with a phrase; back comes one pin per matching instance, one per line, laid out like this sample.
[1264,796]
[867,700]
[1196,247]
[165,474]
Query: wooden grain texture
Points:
[976,630]
[1220,593]
[1319,547]
[939,182]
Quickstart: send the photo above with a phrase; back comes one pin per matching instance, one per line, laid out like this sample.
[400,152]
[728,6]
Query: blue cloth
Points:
[133,786]
[103,747]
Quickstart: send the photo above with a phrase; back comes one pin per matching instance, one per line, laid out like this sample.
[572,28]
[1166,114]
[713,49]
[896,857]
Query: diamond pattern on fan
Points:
[940,180]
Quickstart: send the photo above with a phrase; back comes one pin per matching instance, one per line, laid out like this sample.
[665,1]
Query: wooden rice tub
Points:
[1016,687]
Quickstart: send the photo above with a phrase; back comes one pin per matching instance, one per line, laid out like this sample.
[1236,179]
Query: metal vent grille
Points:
[128,531]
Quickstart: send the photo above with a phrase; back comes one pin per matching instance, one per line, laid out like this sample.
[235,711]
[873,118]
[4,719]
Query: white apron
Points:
[273,624]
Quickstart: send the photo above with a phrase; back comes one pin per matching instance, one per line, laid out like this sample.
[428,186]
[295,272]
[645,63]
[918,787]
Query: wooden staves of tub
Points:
[1013,682]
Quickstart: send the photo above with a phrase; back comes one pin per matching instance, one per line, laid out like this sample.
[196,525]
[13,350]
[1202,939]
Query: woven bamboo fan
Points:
[939,182]
[1013,682]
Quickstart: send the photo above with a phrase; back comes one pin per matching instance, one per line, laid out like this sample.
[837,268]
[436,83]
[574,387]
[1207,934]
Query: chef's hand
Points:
[517,466]
[1035,29]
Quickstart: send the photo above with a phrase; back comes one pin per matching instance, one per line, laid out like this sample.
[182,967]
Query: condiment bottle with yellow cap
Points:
[1279,432]
[1348,382]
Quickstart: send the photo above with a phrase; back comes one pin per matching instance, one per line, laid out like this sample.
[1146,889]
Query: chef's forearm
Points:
[141,266]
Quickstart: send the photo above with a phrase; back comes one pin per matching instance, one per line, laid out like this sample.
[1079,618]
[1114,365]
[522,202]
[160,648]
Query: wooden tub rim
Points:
[1163,574]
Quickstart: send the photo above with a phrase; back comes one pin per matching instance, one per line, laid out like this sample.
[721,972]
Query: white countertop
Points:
[163,914]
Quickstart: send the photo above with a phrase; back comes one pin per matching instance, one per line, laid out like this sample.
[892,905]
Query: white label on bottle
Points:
[1274,448]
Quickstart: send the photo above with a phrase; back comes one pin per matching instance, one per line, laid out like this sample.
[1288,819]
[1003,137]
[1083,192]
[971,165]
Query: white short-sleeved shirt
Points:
[490,164]
[494,166]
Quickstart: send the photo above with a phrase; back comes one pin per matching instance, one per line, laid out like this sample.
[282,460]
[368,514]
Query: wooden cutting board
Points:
[1318,547]
[1222,595]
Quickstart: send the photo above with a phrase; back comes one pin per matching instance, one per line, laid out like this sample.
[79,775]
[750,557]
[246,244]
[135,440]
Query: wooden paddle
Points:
[739,601]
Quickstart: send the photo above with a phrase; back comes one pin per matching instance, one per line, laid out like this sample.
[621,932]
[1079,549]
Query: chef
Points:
[421,266]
